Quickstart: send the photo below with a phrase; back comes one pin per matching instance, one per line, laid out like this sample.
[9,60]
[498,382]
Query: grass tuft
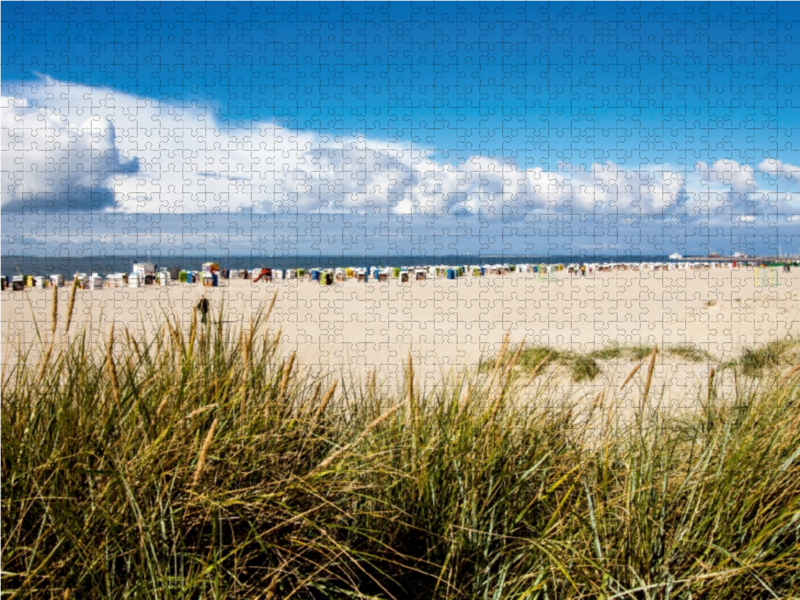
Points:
[584,368]
[611,352]
[754,361]
[688,352]
[533,359]
[535,356]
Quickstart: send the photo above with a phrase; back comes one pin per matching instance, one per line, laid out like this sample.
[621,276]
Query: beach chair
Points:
[263,275]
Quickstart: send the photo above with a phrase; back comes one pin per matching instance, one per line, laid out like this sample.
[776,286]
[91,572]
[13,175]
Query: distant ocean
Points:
[13,265]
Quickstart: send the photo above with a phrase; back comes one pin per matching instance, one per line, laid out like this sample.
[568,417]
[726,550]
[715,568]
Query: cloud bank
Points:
[76,149]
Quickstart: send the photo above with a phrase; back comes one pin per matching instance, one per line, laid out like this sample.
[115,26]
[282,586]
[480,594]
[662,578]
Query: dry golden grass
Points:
[216,471]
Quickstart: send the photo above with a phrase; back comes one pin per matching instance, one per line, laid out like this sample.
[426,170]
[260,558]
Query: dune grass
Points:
[585,366]
[753,361]
[203,464]
[637,352]
[690,353]
[615,351]
[532,359]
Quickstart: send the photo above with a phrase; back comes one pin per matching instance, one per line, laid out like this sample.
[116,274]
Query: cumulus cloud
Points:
[76,148]
[778,168]
[737,177]
[58,164]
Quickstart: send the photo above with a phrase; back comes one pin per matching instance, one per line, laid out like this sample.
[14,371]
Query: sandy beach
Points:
[353,328]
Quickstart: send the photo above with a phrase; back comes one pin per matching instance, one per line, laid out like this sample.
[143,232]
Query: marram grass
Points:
[208,466]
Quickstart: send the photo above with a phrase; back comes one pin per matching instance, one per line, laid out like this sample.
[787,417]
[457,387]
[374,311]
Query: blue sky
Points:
[491,118]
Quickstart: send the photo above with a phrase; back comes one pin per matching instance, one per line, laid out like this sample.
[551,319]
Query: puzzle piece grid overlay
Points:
[319,132]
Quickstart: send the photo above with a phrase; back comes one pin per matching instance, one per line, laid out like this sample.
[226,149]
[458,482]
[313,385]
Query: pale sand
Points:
[354,327]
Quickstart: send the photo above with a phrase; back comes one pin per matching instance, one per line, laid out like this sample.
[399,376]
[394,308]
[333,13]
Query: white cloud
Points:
[778,168]
[73,148]
[55,163]
[740,178]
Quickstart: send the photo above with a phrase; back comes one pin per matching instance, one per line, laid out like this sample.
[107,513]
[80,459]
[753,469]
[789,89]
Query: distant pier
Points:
[747,259]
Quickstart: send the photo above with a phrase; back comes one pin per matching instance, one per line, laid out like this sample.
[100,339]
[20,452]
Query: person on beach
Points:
[202,306]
